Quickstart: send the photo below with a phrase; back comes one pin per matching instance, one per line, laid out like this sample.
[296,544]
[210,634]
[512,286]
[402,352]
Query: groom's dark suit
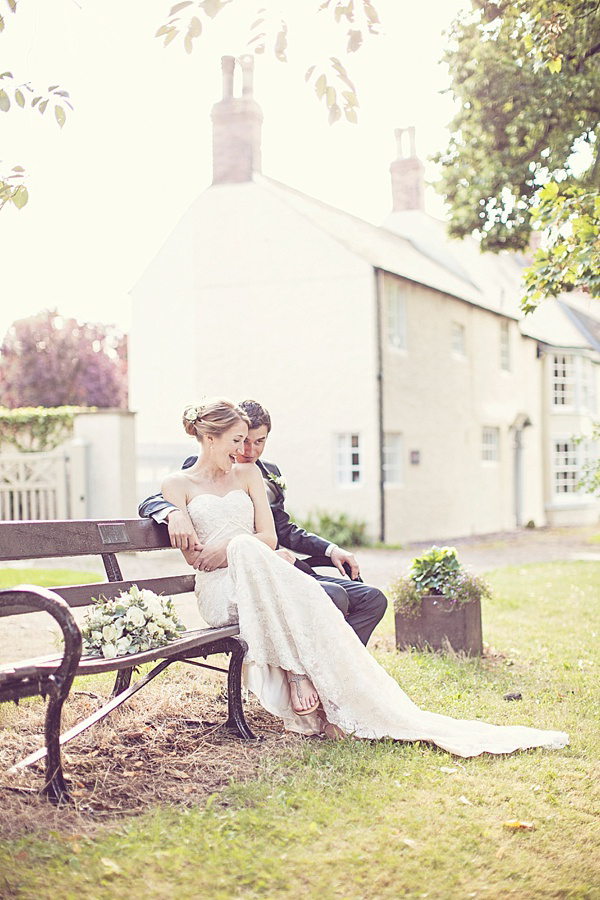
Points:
[362,604]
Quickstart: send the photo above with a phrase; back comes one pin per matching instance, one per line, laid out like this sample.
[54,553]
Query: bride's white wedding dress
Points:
[289,623]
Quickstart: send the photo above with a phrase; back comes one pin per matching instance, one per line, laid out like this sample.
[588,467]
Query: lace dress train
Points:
[290,624]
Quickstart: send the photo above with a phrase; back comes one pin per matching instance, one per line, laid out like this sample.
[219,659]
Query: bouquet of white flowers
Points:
[134,621]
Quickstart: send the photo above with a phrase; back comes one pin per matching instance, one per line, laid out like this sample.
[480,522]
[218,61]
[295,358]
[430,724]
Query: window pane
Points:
[396,315]
[392,458]
[458,339]
[490,444]
[504,346]
[347,459]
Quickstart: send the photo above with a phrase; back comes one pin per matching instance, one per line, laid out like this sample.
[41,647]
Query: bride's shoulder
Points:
[247,474]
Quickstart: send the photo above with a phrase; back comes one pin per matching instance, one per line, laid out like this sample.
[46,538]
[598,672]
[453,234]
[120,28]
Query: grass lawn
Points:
[359,820]
[45,577]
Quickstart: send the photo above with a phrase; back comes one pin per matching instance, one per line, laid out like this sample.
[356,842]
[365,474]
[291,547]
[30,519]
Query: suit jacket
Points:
[288,534]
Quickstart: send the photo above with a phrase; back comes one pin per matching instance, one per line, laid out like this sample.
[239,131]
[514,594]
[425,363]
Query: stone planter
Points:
[439,621]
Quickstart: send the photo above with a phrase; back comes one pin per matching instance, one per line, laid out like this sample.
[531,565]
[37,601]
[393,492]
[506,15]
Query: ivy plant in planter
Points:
[439,603]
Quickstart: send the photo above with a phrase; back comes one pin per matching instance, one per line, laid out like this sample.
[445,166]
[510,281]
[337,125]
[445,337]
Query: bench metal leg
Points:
[122,682]
[236,718]
[55,788]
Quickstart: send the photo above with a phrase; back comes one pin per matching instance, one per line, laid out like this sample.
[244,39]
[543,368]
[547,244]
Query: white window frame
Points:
[568,461]
[490,444]
[348,459]
[573,383]
[395,305]
[392,458]
[505,360]
[566,468]
[458,339]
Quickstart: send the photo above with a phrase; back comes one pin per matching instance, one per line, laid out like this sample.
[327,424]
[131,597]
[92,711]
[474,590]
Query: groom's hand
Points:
[181,531]
[339,557]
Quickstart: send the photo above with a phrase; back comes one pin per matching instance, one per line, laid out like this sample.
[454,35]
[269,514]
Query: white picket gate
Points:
[34,486]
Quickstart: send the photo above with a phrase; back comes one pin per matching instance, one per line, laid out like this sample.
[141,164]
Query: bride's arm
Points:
[264,525]
[174,490]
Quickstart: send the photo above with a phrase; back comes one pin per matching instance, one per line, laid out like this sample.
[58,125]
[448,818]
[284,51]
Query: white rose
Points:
[152,628]
[135,616]
[123,645]
[153,605]
[109,651]
[109,633]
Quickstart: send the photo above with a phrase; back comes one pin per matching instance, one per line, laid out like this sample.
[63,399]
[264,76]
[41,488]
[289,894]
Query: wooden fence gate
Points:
[34,486]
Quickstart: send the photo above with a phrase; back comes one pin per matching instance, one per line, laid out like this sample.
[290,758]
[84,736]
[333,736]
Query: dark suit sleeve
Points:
[156,504]
[295,538]
[290,535]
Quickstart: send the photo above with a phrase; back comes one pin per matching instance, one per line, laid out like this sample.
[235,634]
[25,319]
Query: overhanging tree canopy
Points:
[526,75]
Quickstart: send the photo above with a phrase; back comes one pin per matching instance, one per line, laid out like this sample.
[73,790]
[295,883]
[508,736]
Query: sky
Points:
[107,189]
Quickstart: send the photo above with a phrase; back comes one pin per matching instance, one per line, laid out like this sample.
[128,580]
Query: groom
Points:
[362,605]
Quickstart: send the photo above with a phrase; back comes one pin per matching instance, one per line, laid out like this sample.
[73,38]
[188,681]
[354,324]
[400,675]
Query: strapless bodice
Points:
[219,518]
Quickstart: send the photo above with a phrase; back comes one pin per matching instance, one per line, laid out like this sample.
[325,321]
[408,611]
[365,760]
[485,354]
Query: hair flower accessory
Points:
[191,413]
[134,621]
[279,480]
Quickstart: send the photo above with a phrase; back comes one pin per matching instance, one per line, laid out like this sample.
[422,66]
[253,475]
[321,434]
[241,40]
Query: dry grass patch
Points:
[166,746]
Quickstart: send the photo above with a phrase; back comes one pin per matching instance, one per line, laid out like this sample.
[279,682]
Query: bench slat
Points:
[90,665]
[81,594]
[79,537]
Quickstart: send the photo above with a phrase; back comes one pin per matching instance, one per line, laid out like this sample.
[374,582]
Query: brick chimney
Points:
[237,125]
[408,183]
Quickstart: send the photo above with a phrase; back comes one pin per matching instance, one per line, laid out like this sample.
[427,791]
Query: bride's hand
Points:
[181,531]
[213,556]
[286,554]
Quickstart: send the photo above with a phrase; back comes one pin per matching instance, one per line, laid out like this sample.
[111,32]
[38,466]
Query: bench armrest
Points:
[31,597]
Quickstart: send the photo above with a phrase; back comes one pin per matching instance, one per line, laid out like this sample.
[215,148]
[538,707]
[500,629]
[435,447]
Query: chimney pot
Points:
[237,125]
[408,183]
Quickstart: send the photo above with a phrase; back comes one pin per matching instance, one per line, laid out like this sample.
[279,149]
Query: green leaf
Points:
[320,86]
[20,98]
[1,24]
[281,43]
[20,197]
[12,4]
[549,191]
[330,97]
[555,65]
[213,7]
[179,6]
[52,87]
[351,115]
[4,101]
[354,40]
[42,107]
[309,73]
[60,115]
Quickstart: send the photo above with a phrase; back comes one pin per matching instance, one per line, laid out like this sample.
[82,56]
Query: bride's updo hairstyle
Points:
[212,417]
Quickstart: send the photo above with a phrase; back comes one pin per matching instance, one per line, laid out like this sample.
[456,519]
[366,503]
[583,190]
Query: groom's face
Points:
[253,445]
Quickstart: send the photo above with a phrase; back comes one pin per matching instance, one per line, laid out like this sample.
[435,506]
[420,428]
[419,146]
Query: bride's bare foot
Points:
[303,694]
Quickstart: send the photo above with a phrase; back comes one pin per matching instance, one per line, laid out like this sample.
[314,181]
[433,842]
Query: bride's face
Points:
[226,447]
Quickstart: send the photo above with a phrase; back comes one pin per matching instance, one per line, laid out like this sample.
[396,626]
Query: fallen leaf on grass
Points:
[463,799]
[110,864]
[518,825]
[500,852]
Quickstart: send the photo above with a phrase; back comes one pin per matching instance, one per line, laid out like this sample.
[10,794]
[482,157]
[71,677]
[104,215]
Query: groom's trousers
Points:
[362,605]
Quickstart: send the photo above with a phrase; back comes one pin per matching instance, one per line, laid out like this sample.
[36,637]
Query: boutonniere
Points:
[278,480]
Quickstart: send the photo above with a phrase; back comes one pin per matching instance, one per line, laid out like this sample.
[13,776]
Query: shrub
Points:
[336,527]
[438,572]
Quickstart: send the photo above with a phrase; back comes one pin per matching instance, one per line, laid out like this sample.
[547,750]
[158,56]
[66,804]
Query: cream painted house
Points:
[405,387]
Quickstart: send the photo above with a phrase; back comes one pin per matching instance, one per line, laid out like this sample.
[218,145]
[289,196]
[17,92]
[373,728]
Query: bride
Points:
[304,663]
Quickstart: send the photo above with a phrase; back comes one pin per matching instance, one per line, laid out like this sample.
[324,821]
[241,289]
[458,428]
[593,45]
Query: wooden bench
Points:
[52,676]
